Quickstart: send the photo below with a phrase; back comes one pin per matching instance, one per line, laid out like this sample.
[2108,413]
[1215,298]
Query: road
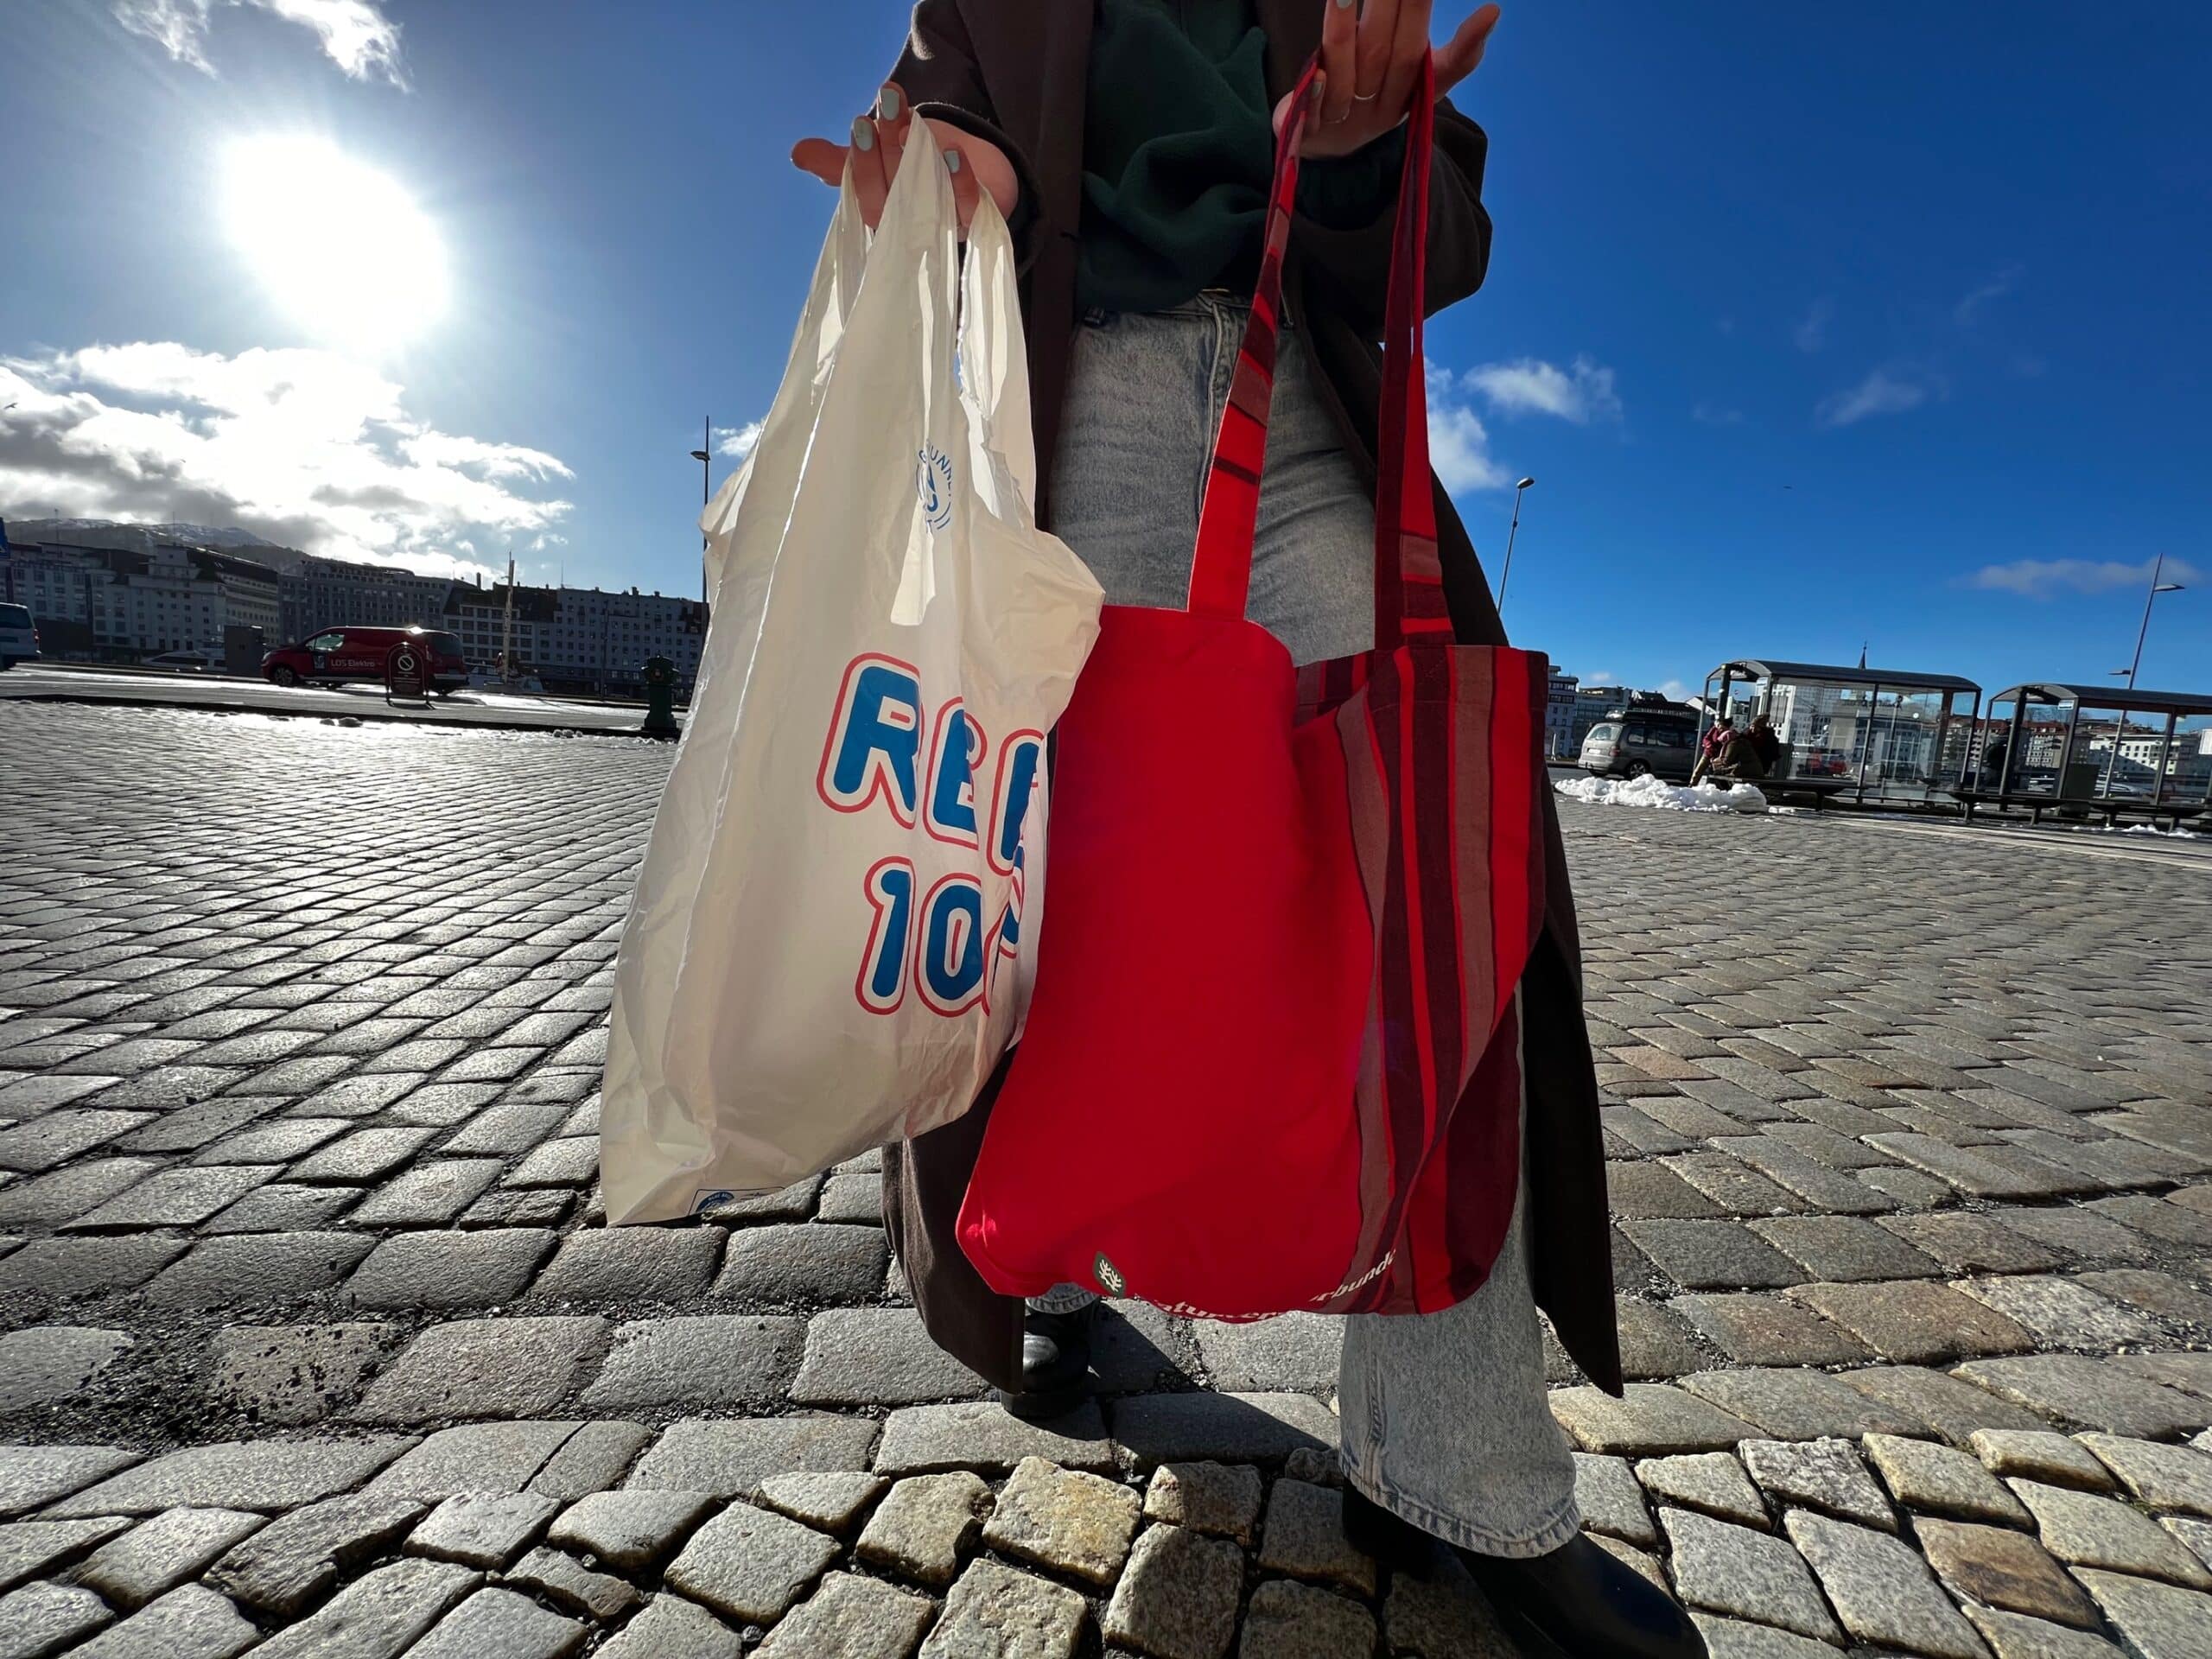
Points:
[216,692]
[310,1324]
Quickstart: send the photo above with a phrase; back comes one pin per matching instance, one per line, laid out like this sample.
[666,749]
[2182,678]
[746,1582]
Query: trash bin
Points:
[660,698]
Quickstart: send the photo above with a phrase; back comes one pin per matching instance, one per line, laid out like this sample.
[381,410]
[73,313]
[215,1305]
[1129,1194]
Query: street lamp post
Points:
[706,494]
[1506,574]
[2157,569]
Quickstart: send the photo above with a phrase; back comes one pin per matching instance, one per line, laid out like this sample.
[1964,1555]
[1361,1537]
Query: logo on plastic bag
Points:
[933,483]
[1109,1275]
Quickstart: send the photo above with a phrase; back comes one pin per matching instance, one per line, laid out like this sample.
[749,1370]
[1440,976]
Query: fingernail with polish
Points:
[863,134]
[1344,5]
[888,102]
[952,160]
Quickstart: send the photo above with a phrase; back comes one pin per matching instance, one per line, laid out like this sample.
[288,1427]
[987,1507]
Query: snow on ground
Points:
[1649,791]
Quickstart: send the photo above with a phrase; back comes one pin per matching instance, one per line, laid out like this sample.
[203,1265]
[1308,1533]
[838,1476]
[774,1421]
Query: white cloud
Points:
[1716,415]
[1995,288]
[307,448]
[356,36]
[1677,691]
[1887,390]
[2046,578]
[737,441]
[1812,331]
[1603,676]
[1582,392]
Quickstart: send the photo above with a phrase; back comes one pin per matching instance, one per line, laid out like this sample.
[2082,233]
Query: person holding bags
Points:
[1132,146]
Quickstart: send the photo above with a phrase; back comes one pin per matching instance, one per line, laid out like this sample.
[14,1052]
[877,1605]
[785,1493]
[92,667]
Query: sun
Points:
[340,245]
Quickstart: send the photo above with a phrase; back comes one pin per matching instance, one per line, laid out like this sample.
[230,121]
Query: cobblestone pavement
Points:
[311,1337]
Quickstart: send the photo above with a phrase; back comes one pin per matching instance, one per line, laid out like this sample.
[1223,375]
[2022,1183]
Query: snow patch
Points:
[1649,791]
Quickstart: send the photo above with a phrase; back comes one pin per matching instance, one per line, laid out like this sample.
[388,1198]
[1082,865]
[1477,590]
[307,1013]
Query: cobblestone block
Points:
[1822,1474]
[570,1162]
[1745,1574]
[629,1531]
[1178,1597]
[482,1529]
[284,1375]
[1220,1499]
[853,1618]
[983,1435]
[191,1622]
[30,1549]
[1611,1503]
[2164,1477]
[1730,1639]
[994,1612]
[278,1142]
[1297,1353]
[1712,1254]
[1842,1249]
[172,1198]
[32,1477]
[1304,1538]
[44,1363]
[728,1458]
[236,1475]
[1916,1322]
[1650,1420]
[782,1266]
[632,1265]
[750,1566]
[2161,1294]
[591,1460]
[2011,1636]
[1954,1409]
[62,1269]
[1965,1241]
[922,1525]
[2063,1314]
[1654,1341]
[299,1558]
[257,1269]
[378,1616]
[1882,1592]
[486,1368]
[428,1195]
[500,1624]
[1070,1522]
[828,1502]
[159,1554]
[1294,1620]
[574,1586]
[2085,1530]
[1943,1480]
[1262,1428]
[440,1270]
[2154,1619]
[1754,1329]
[709,1360]
[474,1457]
[48,1619]
[58,1136]
[793,1202]
[2041,1455]
[62,1195]
[669,1627]
[2089,1391]
[2002,1568]
[879,1356]
[281,1208]
[1712,1482]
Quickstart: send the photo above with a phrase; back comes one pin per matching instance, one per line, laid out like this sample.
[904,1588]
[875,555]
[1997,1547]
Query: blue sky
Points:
[1816,325]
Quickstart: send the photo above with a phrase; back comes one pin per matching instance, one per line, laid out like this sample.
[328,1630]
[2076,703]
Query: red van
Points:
[336,655]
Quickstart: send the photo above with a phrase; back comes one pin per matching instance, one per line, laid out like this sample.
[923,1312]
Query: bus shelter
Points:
[1871,736]
[2092,751]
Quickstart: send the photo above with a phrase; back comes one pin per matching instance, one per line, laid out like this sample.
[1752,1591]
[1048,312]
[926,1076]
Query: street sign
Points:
[404,674]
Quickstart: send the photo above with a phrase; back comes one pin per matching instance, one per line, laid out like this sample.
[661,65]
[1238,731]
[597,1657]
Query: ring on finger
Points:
[1365,97]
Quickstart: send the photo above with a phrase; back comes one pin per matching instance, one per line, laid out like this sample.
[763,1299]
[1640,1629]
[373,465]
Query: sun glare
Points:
[340,247]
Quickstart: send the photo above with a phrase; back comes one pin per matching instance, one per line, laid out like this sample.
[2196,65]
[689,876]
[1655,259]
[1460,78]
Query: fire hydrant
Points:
[660,698]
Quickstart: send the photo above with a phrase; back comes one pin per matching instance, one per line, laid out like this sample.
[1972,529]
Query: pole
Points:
[2149,599]
[1506,574]
[706,496]
[507,634]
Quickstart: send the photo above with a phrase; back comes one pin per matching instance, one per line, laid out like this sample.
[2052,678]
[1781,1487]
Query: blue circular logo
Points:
[933,483]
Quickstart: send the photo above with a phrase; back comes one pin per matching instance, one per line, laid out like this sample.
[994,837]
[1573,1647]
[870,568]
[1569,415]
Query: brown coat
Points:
[1015,72]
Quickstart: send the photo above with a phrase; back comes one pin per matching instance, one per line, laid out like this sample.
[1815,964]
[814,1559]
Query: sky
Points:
[1820,327]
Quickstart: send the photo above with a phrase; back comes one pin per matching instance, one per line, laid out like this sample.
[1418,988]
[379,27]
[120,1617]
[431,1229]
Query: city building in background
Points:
[122,592]
[1560,740]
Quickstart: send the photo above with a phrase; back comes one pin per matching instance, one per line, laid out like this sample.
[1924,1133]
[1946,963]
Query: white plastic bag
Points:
[834,930]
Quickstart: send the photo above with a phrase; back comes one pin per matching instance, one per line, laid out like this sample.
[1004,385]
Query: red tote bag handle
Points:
[1409,605]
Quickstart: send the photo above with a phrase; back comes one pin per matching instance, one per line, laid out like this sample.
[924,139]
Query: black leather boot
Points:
[1578,1602]
[1055,1363]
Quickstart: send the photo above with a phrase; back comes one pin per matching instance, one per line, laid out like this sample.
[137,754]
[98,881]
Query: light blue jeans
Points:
[1444,1421]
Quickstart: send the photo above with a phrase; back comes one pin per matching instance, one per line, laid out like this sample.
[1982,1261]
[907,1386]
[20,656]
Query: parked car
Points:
[18,636]
[337,655]
[180,662]
[1632,742]
[1824,763]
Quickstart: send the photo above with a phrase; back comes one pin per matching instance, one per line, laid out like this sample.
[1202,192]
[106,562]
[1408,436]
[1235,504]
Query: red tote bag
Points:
[1272,1061]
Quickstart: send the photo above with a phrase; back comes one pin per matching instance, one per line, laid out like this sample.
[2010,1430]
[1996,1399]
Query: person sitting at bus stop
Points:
[1710,746]
[1739,760]
[1765,745]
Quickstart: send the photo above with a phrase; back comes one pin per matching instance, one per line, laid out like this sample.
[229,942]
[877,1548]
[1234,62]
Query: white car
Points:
[180,662]
[18,636]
